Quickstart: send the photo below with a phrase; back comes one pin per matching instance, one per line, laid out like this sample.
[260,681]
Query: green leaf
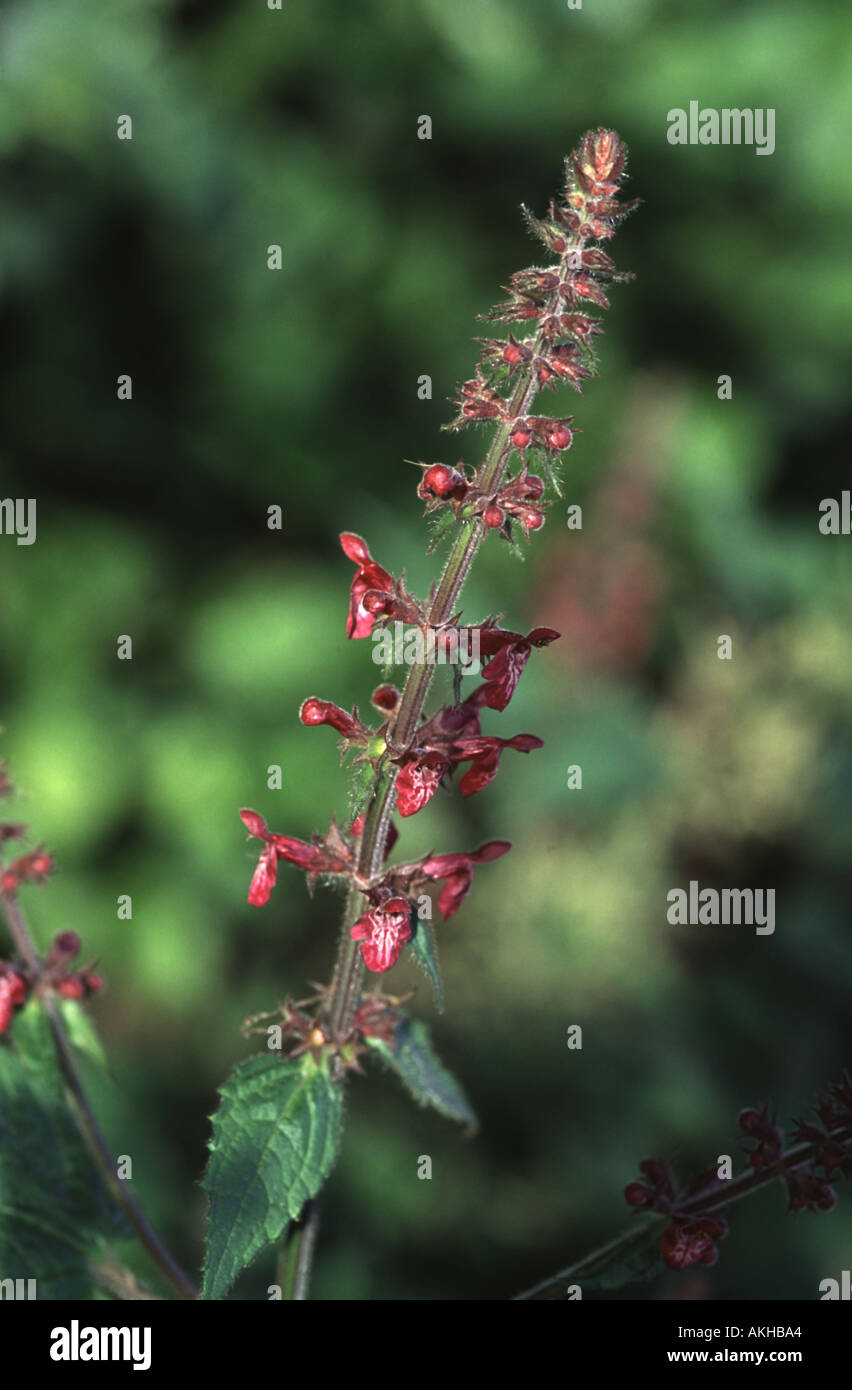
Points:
[413,1059]
[363,783]
[55,1210]
[275,1139]
[439,528]
[82,1033]
[31,1040]
[425,952]
[629,1259]
[639,1261]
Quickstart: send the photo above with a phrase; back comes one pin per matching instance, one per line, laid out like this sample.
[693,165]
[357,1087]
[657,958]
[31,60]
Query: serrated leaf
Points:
[425,952]
[275,1139]
[55,1210]
[444,522]
[362,785]
[414,1060]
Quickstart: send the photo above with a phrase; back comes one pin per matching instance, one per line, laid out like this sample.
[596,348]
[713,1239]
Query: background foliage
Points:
[299,388]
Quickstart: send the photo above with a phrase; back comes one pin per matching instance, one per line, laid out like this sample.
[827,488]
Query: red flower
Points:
[509,652]
[71,987]
[658,1192]
[454,736]
[368,576]
[315,711]
[13,993]
[386,698]
[316,859]
[263,878]
[464,720]
[383,931]
[417,782]
[760,1125]
[457,870]
[64,947]
[806,1191]
[29,868]
[440,482]
[375,1019]
[297,852]
[687,1243]
[484,755]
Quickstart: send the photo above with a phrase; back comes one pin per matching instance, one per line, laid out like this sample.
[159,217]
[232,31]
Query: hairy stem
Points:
[346,983]
[91,1130]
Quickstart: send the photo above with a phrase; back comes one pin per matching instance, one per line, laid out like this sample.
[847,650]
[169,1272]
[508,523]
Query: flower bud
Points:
[65,946]
[443,482]
[386,698]
[315,711]
[71,988]
[559,437]
[530,518]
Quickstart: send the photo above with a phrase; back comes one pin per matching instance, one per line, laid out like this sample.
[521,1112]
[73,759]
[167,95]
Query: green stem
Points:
[349,970]
[346,982]
[297,1253]
[462,555]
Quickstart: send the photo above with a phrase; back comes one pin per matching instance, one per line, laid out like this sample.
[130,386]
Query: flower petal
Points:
[264,878]
[383,931]
[417,782]
[255,824]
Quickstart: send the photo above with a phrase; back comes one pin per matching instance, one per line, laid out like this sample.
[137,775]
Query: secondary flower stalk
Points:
[32,980]
[687,1223]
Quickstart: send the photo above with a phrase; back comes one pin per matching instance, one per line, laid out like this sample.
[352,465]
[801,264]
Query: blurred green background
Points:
[299,387]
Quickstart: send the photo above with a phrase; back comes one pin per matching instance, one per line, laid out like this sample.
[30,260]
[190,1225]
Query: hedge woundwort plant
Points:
[408,755]
[277,1129]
